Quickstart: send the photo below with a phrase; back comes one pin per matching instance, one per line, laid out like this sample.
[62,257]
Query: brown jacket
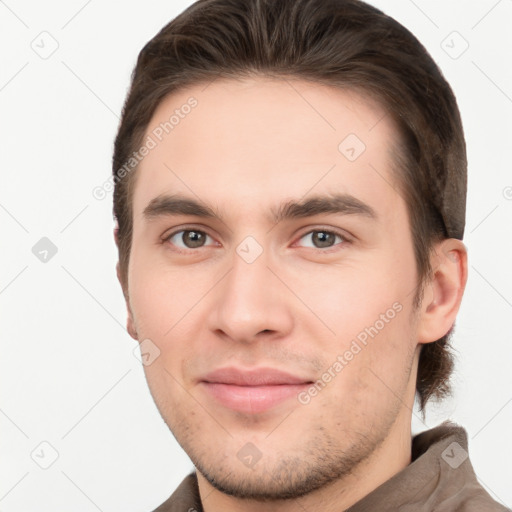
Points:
[440,478]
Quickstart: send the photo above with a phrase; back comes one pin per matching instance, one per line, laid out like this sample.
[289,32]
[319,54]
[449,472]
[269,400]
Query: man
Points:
[290,197]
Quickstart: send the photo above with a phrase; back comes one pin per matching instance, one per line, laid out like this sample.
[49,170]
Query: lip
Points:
[253,377]
[252,391]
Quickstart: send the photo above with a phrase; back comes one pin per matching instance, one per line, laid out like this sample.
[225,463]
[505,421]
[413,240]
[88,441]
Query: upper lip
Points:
[252,377]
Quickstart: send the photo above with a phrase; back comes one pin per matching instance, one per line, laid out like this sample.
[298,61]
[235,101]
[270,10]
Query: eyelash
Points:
[344,238]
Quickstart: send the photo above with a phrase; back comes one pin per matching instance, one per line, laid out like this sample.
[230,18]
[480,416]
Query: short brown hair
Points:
[341,43]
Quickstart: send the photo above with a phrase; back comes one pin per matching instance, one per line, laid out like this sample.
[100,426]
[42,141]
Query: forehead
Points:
[251,142]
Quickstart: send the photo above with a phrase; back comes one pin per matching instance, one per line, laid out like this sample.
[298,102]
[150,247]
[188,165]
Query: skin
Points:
[248,146]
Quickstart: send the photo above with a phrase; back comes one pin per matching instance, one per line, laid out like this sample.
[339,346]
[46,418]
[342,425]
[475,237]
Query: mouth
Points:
[252,391]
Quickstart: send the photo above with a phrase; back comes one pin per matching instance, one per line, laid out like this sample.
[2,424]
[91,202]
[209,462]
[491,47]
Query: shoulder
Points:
[184,499]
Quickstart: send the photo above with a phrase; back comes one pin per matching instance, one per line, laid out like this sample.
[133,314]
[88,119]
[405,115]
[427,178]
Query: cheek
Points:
[352,296]
[370,311]
[161,296]
[165,303]
[371,387]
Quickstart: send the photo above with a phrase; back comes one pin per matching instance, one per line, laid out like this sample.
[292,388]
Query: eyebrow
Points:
[343,204]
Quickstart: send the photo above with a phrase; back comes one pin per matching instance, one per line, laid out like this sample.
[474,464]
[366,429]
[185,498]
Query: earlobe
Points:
[443,296]
[119,278]
[116,233]
[130,324]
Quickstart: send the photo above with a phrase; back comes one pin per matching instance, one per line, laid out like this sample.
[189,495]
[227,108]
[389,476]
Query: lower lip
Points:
[252,399]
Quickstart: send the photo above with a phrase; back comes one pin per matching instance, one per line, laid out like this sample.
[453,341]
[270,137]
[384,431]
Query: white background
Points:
[68,373]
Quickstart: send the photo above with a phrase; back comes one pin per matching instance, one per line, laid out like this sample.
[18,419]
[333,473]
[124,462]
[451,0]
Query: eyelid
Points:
[329,229]
[172,232]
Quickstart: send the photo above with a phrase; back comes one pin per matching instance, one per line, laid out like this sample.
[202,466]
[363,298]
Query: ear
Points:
[443,294]
[130,324]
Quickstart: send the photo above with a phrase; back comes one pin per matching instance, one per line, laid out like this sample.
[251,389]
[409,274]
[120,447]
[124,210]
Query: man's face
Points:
[231,301]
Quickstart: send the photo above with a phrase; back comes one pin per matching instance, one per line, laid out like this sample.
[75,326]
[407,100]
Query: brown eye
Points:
[188,239]
[321,239]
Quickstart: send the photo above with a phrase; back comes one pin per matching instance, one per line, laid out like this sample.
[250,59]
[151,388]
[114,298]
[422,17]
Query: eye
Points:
[188,239]
[323,238]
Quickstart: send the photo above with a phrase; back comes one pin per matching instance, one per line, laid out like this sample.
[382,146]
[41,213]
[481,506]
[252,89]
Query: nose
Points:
[251,302]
